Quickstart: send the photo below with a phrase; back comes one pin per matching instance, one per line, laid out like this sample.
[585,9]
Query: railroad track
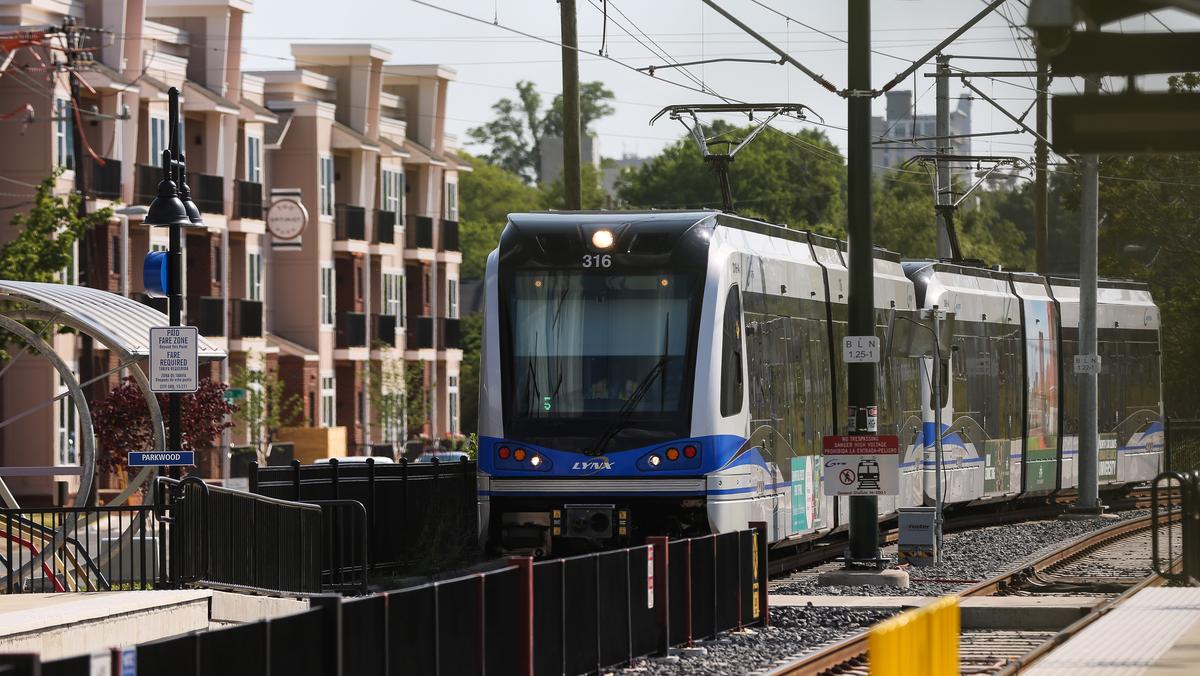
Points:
[789,558]
[1004,651]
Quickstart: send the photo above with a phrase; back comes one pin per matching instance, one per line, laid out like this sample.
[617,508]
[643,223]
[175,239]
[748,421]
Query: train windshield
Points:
[588,345]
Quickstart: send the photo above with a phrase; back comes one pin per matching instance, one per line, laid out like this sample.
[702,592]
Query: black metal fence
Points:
[567,616]
[79,549]
[1175,532]
[226,538]
[418,515]
[1182,441]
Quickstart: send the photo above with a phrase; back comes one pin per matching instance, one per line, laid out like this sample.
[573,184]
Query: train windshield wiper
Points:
[643,387]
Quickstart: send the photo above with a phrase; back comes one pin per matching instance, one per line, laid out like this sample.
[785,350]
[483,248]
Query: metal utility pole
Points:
[1089,439]
[945,201]
[864,525]
[1041,157]
[572,181]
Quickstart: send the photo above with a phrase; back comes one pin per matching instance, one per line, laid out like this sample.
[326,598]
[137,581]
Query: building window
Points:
[452,201]
[391,294]
[328,394]
[254,276]
[452,398]
[327,295]
[64,134]
[452,298]
[392,194]
[326,162]
[115,263]
[158,140]
[254,159]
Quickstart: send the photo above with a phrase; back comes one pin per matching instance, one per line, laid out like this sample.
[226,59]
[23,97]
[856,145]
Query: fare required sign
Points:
[861,465]
[174,366]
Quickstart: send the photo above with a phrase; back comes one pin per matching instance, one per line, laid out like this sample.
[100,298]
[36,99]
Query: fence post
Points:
[404,510]
[687,584]
[296,480]
[371,517]
[524,614]
[759,588]
[333,467]
[331,605]
[253,482]
[660,552]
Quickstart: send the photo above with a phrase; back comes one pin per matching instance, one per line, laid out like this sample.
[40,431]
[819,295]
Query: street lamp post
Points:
[170,209]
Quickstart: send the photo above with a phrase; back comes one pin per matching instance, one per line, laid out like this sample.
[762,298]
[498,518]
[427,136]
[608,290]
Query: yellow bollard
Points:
[920,641]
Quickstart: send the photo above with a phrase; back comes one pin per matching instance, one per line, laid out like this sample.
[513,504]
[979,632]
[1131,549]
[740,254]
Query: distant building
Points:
[551,161]
[899,125]
[612,169]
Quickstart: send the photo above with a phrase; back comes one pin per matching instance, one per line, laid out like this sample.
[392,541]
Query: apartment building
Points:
[372,284]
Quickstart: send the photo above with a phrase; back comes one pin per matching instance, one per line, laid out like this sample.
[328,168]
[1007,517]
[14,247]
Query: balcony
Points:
[351,330]
[208,315]
[451,335]
[247,316]
[104,182]
[450,235]
[351,222]
[420,333]
[249,196]
[420,233]
[208,192]
[385,227]
[385,329]
[145,184]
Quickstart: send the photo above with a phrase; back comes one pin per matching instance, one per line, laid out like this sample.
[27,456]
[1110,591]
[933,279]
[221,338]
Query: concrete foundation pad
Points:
[1048,613]
[233,608]
[1088,516]
[889,577]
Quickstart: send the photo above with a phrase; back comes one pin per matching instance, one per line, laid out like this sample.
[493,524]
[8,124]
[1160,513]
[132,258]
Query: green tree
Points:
[415,414]
[44,245]
[265,408]
[385,387]
[487,196]
[468,376]
[515,135]
[782,177]
[554,194]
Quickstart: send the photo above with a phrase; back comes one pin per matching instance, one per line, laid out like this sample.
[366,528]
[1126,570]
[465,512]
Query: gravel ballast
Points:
[968,557]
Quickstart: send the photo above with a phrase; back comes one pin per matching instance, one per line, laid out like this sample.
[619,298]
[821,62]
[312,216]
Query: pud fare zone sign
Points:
[174,366]
[862,465]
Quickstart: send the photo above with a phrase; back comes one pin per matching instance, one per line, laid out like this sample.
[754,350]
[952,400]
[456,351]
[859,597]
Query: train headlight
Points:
[654,460]
[603,239]
[535,460]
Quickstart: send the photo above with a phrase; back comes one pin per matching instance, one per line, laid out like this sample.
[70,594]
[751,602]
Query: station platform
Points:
[64,625]
[1156,632]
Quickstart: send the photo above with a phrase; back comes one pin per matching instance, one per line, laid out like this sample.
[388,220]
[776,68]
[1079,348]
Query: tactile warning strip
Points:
[1131,639]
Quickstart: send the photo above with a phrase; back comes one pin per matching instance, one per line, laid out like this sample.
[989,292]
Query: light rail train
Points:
[674,372]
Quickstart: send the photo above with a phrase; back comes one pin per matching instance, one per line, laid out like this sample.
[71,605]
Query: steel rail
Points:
[852,651]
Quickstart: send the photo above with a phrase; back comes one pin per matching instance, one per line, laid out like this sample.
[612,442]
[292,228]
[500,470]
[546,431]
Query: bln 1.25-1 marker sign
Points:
[162,458]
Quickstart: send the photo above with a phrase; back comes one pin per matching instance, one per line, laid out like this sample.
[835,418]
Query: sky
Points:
[490,60]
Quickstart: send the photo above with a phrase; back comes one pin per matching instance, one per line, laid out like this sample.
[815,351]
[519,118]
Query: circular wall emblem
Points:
[286,219]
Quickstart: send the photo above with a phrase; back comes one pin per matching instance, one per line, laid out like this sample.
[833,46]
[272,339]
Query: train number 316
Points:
[597,261]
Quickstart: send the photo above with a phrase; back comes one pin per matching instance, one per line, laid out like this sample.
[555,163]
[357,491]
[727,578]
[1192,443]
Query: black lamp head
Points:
[167,209]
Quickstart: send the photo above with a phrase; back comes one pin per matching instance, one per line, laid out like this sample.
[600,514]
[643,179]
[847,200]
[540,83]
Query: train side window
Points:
[731,355]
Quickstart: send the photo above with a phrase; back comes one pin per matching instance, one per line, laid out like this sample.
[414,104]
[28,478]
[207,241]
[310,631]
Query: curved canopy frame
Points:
[120,324]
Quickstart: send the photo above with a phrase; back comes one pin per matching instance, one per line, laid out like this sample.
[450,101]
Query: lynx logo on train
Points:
[597,465]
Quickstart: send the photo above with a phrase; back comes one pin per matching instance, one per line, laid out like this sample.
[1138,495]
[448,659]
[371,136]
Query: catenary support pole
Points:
[1089,440]
[1041,156]
[864,527]
[572,181]
[945,200]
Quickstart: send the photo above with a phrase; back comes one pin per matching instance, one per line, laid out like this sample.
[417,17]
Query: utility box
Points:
[918,536]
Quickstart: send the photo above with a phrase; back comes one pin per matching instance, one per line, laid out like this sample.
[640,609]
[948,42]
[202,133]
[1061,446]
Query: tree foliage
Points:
[782,177]
[487,196]
[468,377]
[515,135]
[122,421]
[416,412]
[266,408]
[385,387]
